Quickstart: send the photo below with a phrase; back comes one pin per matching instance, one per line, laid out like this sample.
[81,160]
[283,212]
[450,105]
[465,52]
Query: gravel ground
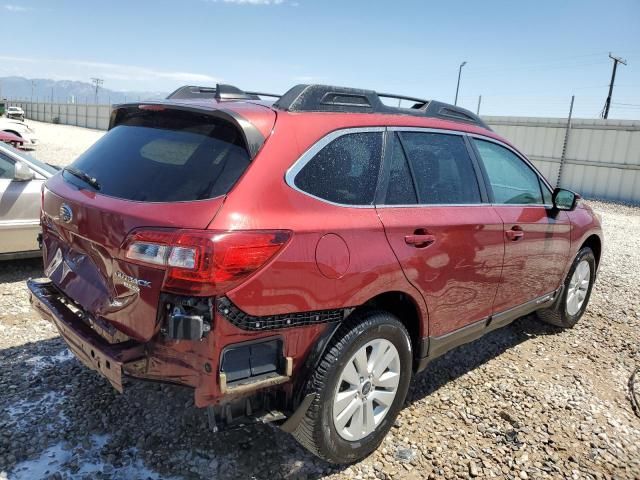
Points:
[526,401]
[61,144]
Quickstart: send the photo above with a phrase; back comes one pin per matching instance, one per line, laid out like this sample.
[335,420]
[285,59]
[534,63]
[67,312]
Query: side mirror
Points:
[22,172]
[564,199]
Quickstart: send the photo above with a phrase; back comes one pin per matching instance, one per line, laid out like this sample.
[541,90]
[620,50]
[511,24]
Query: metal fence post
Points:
[566,142]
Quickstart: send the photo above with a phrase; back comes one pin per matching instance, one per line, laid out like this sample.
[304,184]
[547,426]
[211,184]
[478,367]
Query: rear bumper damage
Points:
[250,383]
[89,347]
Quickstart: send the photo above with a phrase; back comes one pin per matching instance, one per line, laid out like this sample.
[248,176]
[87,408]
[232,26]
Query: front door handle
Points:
[419,240]
[515,233]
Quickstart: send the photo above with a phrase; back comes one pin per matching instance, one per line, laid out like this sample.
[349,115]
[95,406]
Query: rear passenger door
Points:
[537,236]
[445,234]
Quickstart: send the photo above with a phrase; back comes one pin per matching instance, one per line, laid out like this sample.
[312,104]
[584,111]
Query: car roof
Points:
[337,107]
[255,110]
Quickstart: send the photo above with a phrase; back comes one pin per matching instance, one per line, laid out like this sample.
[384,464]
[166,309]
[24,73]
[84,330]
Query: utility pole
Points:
[458,86]
[33,84]
[479,102]
[607,102]
[98,83]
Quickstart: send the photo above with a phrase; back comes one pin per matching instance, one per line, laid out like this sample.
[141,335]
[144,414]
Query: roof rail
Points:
[325,98]
[220,92]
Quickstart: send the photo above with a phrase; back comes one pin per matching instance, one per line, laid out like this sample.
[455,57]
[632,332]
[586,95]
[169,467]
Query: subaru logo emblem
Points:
[66,214]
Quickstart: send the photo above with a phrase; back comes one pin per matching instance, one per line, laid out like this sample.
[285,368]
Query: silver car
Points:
[21,180]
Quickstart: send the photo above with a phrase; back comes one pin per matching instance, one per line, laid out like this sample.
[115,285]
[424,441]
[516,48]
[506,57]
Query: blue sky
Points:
[524,58]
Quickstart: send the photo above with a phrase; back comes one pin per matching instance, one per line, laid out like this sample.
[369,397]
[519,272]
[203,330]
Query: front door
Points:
[537,236]
[448,241]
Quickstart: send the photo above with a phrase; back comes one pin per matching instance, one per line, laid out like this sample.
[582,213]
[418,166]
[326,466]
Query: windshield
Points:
[165,156]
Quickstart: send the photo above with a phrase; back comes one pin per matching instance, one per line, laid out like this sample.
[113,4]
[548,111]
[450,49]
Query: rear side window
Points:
[400,190]
[167,156]
[345,171]
[511,179]
[442,168]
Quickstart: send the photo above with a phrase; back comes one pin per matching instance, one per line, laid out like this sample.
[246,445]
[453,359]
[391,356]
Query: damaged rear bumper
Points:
[257,398]
[89,347]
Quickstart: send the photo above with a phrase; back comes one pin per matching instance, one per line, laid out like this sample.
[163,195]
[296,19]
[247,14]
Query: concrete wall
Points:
[602,157]
[80,114]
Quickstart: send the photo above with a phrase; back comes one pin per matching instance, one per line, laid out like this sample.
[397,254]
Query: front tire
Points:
[360,385]
[576,292]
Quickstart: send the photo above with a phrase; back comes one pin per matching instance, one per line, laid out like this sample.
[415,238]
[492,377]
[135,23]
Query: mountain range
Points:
[67,91]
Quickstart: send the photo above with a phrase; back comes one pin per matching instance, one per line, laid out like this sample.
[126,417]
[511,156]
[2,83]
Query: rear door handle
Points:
[420,240]
[515,233]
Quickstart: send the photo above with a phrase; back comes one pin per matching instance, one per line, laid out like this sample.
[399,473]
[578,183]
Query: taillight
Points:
[204,262]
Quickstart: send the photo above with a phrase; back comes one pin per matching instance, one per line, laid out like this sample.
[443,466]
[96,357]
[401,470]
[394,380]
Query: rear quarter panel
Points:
[293,282]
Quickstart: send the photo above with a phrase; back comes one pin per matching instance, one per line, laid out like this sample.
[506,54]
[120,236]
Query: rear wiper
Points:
[88,179]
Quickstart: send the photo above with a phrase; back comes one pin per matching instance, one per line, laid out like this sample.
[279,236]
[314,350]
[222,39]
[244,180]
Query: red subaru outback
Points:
[297,262]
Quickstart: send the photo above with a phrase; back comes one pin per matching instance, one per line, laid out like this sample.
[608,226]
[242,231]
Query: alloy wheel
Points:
[578,287]
[366,389]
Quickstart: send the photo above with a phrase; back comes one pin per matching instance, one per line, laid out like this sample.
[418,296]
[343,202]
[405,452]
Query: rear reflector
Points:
[201,262]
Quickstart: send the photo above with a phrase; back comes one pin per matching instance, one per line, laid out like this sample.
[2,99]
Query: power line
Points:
[626,104]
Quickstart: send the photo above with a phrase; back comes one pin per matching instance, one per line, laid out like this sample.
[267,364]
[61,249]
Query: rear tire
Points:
[356,404]
[576,293]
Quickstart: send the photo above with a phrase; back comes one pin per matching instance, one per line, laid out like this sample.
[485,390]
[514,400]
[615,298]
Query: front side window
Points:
[511,179]
[7,168]
[546,193]
[442,168]
[345,171]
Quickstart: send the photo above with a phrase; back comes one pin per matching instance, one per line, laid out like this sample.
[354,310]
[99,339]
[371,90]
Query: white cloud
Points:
[16,8]
[83,69]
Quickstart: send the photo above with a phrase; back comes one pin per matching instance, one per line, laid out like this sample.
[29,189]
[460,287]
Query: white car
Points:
[21,180]
[20,129]
[16,113]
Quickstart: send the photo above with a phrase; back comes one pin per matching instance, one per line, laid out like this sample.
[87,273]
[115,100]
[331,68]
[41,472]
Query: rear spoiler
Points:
[252,136]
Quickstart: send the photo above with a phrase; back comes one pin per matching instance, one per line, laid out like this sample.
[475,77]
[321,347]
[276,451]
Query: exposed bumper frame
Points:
[89,347]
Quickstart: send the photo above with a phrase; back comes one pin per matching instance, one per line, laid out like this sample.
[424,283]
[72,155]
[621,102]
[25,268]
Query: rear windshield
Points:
[167,156]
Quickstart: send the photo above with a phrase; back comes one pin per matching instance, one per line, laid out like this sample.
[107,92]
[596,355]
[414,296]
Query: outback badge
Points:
[132,282]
